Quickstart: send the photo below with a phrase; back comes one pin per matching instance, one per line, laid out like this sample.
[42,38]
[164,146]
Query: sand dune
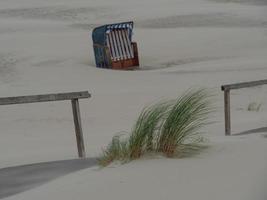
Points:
[46,47]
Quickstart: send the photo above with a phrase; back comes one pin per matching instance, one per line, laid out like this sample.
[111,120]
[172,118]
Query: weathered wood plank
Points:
[244,85]
[44,98]
[73,96]
[78,127]
[226,89]
[227,112]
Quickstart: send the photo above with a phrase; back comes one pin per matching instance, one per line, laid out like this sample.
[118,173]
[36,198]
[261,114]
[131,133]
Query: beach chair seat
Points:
[113,47]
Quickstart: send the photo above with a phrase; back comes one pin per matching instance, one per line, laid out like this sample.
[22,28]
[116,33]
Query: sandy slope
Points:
[46,47]
[224,173]
[18,179]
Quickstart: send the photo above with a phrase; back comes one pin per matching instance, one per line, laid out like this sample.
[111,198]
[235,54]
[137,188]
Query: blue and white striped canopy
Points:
[127,25]
[99,33]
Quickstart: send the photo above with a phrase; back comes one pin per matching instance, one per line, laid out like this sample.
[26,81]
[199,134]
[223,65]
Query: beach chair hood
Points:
[100,33]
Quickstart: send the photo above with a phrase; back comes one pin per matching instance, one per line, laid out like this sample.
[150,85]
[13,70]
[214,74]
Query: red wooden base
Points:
[128,63]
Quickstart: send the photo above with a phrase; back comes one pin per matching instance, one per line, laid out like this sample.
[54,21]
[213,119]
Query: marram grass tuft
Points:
[171,127]
[180,132]
[142,138]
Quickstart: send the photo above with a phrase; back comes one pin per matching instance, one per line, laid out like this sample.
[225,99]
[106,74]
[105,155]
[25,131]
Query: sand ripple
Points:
[58,13]
[202,20]
[252,2]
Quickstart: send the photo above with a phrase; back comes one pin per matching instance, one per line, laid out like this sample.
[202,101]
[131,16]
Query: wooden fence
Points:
[73,96]
[226,89]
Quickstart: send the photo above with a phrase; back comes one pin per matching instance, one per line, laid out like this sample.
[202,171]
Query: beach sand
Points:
[46,47]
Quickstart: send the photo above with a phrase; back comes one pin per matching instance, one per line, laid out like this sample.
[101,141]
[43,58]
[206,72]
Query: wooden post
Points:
[226,89]
[78,127]
[73,96]
[227,112]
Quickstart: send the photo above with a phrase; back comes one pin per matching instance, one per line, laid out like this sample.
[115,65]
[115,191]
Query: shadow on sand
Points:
[256,130]
[14,180]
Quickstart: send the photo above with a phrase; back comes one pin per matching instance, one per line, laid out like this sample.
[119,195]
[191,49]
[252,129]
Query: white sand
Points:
[46,47]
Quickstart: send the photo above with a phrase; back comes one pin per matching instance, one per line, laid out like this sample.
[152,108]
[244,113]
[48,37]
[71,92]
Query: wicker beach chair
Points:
[113,46]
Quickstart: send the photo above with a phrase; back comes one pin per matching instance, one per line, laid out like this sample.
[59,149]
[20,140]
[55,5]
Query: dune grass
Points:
[254,106]
[118,150]
[180,132]
[170,127]
[141,139]
[142,136]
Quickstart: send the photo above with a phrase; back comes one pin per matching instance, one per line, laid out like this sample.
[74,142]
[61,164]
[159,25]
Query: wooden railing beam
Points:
[73,96]
[226,89]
